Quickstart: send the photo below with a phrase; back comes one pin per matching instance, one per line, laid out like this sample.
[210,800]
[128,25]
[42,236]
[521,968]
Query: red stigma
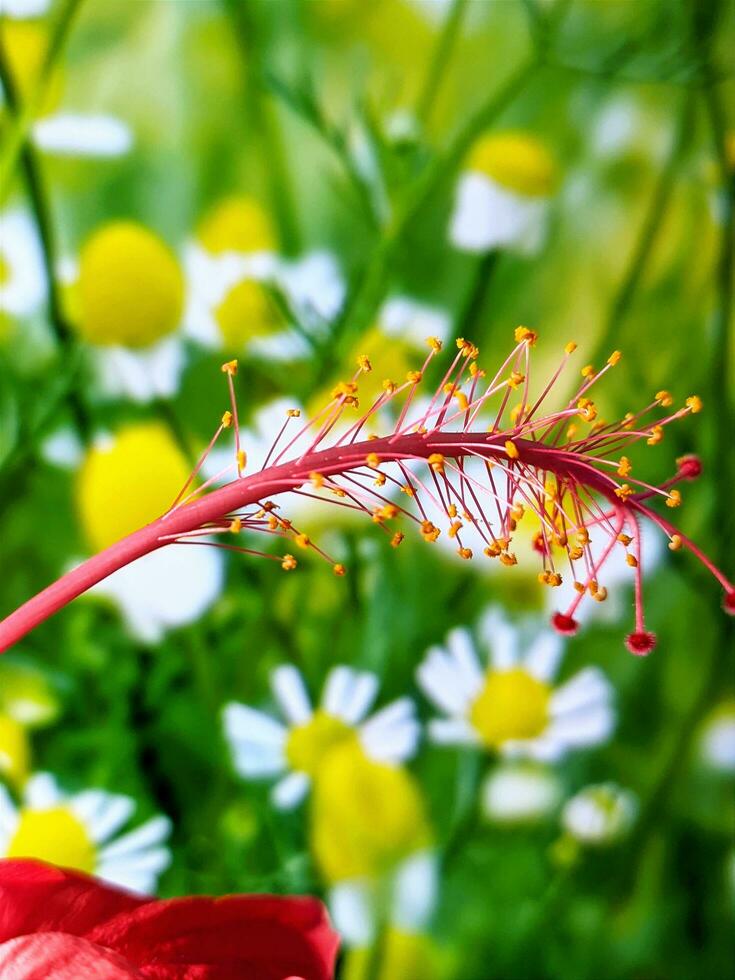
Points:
[640,643]
[564,625]
[690,467]
[728,603]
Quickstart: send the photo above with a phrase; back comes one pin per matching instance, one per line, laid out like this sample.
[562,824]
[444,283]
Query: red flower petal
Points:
[59,956]
[254,936]
[36,897]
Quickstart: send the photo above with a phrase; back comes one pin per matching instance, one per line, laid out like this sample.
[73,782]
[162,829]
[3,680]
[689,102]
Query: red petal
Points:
[256,936]
[36,897]
[58,956]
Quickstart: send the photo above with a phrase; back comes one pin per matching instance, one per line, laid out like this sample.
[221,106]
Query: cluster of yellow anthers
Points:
[460,460]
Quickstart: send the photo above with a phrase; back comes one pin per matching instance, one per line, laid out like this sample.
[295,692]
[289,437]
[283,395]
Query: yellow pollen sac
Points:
[516,379]
[317,480]
[436,462]
[273,523]
[229,367]
[396,539]
[308,744]
[575,553]
[429,532]
[664,398]
[632,561]
[236,526]
[588,371]
[673,499]
[302,540]
[579,587]
[623,491]
[293,413]
[389,386]
[226,420]
[380,479]
[624,468]
[492,550]
[130,288]
[372,460]
[624,539]
[237,224]
[454,529]
[511,449]
[570,347]
[694,404]
[657,434]
[363,362]
[572,430]
[516,160]
[242,459]
[434,343]
[523,335]
[452,510]
[339,570]
[461,400]
[54,835]
[288,563]
[414,377]
[388,512]
[600,595]
[675,543]
[344,389]
[628,420]
[508,558]
[512,705]
[587,410]
[614,358]
[465,553]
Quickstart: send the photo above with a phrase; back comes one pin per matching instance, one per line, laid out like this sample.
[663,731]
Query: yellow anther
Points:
[229,367]
[583,536]
[673,499]
[236,525]
[694,403]
[389,386]
[242,459]
[388,512]
[284,523]
[624,539]
[600,595]
[593,586]
[465,553]
[475,371]
[554,579]
[516,379]
[461,400]
[288,563]
[657,434]
[511,449]
[338,491]
[408,489]
[449,388]
[572,430]
[273,523]
[226,420]
[575,553]
[523,334]
[570,347]
[379,480]
[317,480]
[454,528]
[579,587]
[344,389]
[302,540]
[429,531]
[294,413]
[664,398]
[632,561]
[414,377]
[467,348]
[363,362]
[628,420]
[588,371]
[623,491]
[436,462]
[396,539]
[614,357]
[434,343]
[452,510]
[561,540]
[508,558]
[624,468]
[514,413]
[675,542]
[372,460]
[339,569]
[492,550]
[372,437]
[587,410]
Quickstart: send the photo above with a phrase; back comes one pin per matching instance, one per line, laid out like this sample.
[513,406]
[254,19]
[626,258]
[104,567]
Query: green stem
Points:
[439,61]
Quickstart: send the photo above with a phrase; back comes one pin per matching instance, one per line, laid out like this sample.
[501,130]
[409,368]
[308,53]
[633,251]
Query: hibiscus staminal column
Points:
[463,462]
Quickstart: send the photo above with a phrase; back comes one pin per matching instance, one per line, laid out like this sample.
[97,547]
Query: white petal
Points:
[336,690]
[25,288]
[103,813]
[351,906]
[63,448]
[290,692]
[588,687]
[452,731]
[586,726]
[501,638]
[415,892]
[315,288]
[517,793]
[462,650]
[541,749]
[392,734]
[441,682]
[290,791]
[245,724]
[24,9]
[413,322]
[42,791]
[286,345]
[141,375]
[137,872]
[8,819]
[143,838]
[360,697]
[542,659]
[73,134]
[488,216]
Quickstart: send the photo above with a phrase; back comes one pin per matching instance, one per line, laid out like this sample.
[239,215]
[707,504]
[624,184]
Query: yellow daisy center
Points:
[237,224]
[4,270]
[54,835]
[518,161]
[14,750]
[130,289]
[129,483]
[308,744]
[25,44]
[26,696]
[511,705]
[247,311]
[366,816]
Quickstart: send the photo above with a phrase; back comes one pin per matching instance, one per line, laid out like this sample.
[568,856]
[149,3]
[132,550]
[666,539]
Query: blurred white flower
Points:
[412,322]
[600,814]
[24,9]
[265,747]
[503,194]
[717,740]
[72,134]
[22,274]
[516,793]
[78,831]
[512,707]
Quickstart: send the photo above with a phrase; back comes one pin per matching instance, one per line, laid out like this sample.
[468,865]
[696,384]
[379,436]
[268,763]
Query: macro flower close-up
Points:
[367,598]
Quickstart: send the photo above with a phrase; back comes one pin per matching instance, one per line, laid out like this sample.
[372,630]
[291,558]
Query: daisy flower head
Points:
[503,194]
[519,793]
[142,469]
[81,831]
[511,706]
[600,814]
[22,274]
[296,749]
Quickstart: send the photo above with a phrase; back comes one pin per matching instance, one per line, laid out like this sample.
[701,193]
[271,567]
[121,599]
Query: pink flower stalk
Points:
[463,458]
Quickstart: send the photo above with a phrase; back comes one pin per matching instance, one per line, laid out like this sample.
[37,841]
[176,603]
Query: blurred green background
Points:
[343,130]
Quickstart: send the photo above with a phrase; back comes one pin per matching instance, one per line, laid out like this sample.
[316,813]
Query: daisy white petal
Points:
[105,814]
[24,9]
[488,216]
[415,891]
[600,814]
[588,687]
[8,818]
[63,448]
[141,375]
[257,741]
[586,726]
[462,651]
[23,288]
[74,134]
[290,692]
[392,734]
[515,793]
[440,682]
[147,836]
[410,321]
[363,692]
[290,790]
[336,690]
[42,791]
[351,906]
[500,637]
[542,659]
[452,731]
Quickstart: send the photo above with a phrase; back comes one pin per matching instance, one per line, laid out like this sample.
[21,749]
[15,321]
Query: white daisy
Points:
[503,195]
[22,274]
[78,831]
[24,9]
[412,322]
[717,740]
[519,793]
[75,134]
[600,814]
[511,706]
[265,747]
